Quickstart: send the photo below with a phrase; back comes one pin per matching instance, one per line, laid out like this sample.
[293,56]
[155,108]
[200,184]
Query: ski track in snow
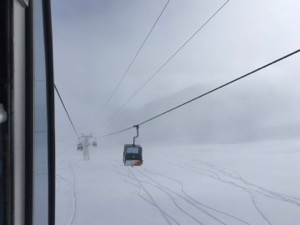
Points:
[196,201]
[74,196]
[279,196]
[181,196]
[140,190]
[217,177]
[257,209]
[148,201]
[58,180]
[169,194]
[174,201]
[214,172]
[234,179]
[247,185]
[152,199]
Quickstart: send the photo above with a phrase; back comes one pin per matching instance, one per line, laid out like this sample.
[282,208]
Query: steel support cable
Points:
[63,104]
[207,93]
[116,132]
[169,59]
[132,61]
[220,87]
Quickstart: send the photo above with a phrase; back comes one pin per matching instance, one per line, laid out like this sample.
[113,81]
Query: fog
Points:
[94,42]
[231,157]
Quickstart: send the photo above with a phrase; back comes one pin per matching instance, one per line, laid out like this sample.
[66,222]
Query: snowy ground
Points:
[250,183]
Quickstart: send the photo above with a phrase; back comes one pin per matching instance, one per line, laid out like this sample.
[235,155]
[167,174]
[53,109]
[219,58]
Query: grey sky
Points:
[94,41]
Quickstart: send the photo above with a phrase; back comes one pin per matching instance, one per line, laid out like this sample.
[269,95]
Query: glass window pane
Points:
[40,121]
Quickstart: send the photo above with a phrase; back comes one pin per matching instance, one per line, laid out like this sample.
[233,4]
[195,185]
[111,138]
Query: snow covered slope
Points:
[250,183]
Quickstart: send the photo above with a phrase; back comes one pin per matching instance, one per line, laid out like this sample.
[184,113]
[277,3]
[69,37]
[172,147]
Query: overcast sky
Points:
[94,42]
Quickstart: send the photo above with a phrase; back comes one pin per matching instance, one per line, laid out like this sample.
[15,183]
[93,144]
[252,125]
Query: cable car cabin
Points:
[94,144]
[132,155]
[80,147]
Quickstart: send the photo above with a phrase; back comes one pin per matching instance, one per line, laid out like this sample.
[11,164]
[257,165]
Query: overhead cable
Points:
[132,61]
[169,59]
[116,132]
[222,86]
[63,104]
[207,93]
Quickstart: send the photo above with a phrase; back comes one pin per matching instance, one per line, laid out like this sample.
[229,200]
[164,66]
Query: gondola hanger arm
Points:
[137,133]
